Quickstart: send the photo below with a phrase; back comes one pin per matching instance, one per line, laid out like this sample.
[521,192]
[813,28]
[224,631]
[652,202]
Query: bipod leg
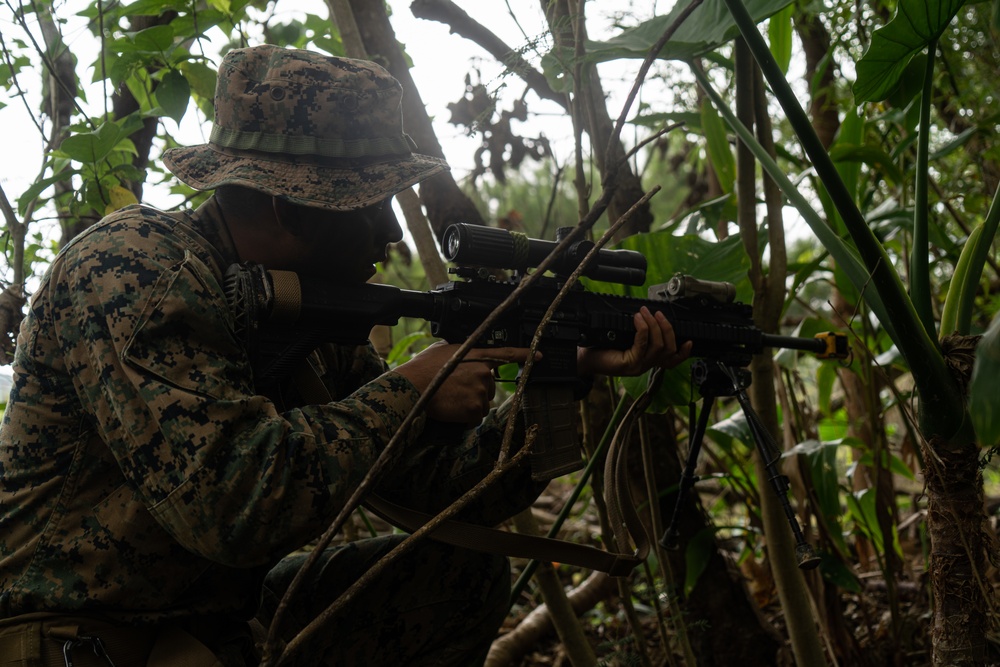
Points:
[770,455]
[688,478]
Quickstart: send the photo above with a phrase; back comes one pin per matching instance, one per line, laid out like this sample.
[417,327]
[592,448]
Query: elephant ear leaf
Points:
[709,26]
[916,24]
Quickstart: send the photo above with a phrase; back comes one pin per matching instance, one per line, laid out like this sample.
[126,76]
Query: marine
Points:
[154,502]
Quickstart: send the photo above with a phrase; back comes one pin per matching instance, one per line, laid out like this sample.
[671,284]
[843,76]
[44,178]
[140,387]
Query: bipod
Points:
[715,379]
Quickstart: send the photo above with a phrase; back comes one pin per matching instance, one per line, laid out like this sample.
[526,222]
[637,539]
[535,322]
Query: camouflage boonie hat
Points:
[316,130]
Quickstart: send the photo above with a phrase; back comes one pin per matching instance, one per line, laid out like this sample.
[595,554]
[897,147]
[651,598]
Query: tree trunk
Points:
[445,202]
[820,73]
[60,93]
[599,125]
[957,572]
[769,290]
[408,200]
[124,103]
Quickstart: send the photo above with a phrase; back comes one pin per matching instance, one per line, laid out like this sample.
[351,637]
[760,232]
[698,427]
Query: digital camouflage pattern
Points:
[313,129]
[142,477]
[137,461]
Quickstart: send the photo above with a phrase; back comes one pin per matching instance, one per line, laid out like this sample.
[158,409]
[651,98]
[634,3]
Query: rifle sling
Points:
[501,542]
[504,543]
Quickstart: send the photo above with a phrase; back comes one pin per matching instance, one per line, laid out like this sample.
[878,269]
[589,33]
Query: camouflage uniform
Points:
[143,480]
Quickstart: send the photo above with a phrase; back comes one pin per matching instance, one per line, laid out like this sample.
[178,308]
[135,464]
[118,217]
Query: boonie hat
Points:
[316,130]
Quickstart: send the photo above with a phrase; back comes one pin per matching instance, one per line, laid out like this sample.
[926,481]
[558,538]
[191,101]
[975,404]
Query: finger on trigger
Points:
[501,355]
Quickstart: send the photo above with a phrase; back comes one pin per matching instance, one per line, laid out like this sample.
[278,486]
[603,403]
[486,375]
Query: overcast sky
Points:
[441,61]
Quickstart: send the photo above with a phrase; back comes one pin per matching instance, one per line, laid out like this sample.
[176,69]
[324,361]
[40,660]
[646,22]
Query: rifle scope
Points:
[475,245]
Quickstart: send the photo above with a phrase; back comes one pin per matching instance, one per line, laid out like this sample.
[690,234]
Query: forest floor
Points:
[867,626]
[866,616]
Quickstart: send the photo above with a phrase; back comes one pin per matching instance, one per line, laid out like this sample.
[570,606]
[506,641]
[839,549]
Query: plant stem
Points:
[920,281]
[945,412]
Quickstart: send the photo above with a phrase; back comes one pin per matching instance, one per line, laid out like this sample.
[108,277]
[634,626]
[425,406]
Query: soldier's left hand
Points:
[654,346]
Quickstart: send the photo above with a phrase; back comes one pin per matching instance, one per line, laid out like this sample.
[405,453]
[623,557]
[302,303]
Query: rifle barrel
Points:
[794,343]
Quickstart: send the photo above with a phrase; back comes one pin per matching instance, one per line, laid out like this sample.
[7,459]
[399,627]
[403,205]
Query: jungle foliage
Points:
[839,162]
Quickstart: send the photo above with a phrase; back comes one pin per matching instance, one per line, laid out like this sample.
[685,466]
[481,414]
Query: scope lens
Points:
[451,244]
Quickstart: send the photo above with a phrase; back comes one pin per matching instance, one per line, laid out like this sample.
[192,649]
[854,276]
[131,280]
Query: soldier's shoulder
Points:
[130,230]
[134,219]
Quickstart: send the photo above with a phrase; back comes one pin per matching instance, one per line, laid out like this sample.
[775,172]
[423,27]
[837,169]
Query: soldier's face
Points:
[346,245]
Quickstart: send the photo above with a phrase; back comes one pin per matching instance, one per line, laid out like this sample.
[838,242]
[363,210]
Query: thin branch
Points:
[18,230]
[647,62]
[49,66]
[460,23]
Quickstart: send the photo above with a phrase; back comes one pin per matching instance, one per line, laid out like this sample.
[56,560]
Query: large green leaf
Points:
[202,80]
[861,508]
[697,555]
[984,391]
[824,475]
[709,26]
[39,186]
[717,141]
[958,306]
[137,8]
[916,24]
[779,34]
[91,147]
[173,94]
[157,39]
[870,154]
[960,277]
[667,254]
[690,119]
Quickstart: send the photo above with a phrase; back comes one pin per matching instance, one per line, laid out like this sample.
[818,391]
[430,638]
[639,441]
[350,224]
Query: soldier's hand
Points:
[655,345]
[465,396]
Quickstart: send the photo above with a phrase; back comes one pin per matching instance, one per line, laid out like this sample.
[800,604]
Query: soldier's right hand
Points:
[465,396]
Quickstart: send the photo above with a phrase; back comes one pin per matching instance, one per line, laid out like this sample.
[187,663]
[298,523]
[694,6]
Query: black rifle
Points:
[284,316]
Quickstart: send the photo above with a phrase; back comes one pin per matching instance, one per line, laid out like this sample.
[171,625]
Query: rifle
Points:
[284,316]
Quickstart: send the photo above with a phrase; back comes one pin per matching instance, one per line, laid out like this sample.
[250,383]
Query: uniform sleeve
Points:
[225,473]
[344,368]
[449,460]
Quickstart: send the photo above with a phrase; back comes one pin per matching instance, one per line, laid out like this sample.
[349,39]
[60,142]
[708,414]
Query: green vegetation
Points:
[891,177]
